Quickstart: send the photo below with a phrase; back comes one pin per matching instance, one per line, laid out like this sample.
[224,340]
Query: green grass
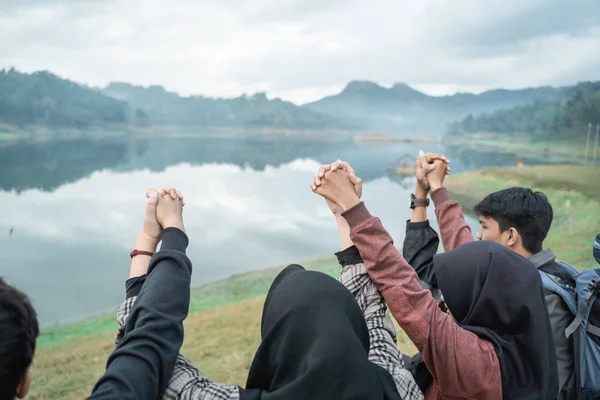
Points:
[565,151]
[573,191]
[212,295]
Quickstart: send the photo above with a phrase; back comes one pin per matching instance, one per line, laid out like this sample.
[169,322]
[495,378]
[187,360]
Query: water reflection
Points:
[49,165]
[69,248]
[75,207]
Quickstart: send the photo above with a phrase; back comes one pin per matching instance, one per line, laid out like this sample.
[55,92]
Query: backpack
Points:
[584,303]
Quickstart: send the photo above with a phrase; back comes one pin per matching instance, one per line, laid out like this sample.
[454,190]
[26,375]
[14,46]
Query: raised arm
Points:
[187,382]
[142,364]
[383,349]
[443,344]
[454,229]
[420,241]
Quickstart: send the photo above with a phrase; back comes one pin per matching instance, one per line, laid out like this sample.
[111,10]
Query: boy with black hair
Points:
[18,332]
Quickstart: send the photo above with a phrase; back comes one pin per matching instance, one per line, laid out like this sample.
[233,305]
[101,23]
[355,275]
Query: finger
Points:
[179,194]
[316,180]
[349,168]
[431,157]
[151,205]
[323,169]
[357,184]
[162,191]
[354,179]
[338,164]
[313,187]
[173,193]
[149,191]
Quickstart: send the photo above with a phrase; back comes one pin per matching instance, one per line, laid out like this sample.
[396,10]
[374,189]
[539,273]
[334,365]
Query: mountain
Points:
[558,119]
[403,110]
[45,99]
[256,111]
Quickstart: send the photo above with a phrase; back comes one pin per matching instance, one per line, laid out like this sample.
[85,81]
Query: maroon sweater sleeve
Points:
[454,229]
[462,365]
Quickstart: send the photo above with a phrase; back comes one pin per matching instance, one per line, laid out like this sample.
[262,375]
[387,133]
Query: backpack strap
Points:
[594,330]
[580,314]
[583,310]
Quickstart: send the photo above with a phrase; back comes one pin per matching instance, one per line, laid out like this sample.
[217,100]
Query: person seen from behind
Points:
[496,342]
[18,332]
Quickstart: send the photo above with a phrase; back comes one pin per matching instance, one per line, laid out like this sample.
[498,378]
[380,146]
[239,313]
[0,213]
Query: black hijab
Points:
[315,344]
[497,294]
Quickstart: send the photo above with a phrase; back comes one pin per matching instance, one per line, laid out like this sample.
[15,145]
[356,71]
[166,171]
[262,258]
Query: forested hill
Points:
[42,98]
[164,107]
[563,119]
[45,99]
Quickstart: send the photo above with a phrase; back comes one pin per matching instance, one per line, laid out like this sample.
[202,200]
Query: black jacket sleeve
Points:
[142,364]
[420,245]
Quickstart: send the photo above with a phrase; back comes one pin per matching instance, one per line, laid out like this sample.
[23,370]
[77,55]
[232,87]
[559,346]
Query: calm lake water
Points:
[71,209]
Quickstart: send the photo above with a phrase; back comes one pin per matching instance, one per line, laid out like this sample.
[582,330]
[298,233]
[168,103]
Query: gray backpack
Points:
[584,305]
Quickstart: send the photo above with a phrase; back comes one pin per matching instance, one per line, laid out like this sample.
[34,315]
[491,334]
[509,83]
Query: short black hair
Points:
[18,332]
[529,212]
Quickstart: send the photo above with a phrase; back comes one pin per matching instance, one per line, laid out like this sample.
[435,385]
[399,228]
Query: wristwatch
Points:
[414,202]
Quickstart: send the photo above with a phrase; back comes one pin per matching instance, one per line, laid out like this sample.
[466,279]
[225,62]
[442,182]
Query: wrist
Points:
[174,224]
[433,186]
[349,202]
[420,193]
[146,243]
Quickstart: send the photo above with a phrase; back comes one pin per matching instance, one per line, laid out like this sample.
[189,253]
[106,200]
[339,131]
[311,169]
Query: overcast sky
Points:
[301,50]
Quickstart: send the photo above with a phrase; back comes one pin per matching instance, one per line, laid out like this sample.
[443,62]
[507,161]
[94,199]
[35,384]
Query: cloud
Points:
[303,49]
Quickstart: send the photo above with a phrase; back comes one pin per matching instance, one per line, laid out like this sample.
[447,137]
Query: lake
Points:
[71,210]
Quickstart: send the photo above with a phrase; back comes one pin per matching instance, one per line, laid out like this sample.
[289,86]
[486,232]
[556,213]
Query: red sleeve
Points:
[454,229]
[463,365]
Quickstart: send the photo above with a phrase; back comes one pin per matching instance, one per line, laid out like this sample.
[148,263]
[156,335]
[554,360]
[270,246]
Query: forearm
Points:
[421,244]
[419,214]
[394,277]
[143,362]
[454,229]
[139,264]
[343,232]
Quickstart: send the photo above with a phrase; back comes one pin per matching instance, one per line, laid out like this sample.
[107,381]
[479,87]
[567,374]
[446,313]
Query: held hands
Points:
[339,185]
[169,211]
[431,170]
[167,203]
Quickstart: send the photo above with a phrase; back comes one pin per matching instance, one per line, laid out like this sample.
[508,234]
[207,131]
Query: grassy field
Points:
[222,330]
[573,191]
[557,151]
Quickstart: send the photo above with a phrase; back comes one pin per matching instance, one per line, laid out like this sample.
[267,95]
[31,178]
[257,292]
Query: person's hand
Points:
[149,235]
[170,208]
[174,194]
[151,228]
[424,165]
[336,187]
[437,175]
[337,165]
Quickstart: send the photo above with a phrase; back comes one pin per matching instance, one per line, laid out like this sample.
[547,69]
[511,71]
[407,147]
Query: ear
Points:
[512,238]
[23,387]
